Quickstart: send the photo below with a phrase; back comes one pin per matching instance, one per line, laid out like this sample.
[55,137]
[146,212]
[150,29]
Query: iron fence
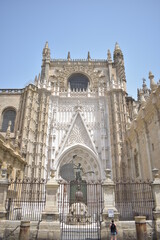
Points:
[134,198]
[25,199]
[80,205]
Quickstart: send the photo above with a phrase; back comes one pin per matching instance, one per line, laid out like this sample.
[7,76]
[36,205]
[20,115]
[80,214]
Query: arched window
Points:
[8,115]
[78,81]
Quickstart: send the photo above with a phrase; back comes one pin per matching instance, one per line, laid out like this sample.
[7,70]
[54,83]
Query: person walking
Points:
[113,229]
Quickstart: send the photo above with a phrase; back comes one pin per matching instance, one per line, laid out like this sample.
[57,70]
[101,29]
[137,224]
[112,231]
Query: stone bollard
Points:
[24,230]
[141,228]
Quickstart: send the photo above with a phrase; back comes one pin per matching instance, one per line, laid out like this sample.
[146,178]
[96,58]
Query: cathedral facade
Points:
[78,111]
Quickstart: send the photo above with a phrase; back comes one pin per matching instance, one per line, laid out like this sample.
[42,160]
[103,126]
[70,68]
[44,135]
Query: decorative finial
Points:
[155,173]
[52,174]
[153,85]
[144,84]
[117,46]
[69,56]
[118,55]
[108,175]
[39,77]
[36,80]
[142,99]
[17,140]
[109,58]
[46,45]
[135,112]
[8,132]
[89,57]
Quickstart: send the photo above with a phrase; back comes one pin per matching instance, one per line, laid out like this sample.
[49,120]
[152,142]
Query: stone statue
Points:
[79,171]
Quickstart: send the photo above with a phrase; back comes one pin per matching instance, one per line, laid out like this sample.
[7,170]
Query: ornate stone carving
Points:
[79,134]
[62,75]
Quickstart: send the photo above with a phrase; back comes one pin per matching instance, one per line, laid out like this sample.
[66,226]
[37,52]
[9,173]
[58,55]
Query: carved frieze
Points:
[59,76]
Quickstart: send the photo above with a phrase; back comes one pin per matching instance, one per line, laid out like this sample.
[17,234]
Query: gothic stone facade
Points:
[81,107]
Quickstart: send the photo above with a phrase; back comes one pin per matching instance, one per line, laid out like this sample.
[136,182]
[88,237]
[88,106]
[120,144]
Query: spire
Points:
[46,45]
[109,58]
[46,52]
[119,64]
[142,99]
[39,77]
[144,84]
[117,53]
[88,56]
[36,80]
[153,85]
[117,46]
[69,56]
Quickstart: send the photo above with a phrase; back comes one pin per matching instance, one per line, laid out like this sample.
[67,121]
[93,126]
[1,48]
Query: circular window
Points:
[78,82]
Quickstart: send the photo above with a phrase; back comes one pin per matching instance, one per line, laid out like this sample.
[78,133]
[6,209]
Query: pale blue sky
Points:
[78,26]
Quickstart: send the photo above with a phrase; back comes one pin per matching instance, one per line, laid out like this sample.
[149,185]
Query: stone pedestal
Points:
[50,226]
[3,195]
[109,204]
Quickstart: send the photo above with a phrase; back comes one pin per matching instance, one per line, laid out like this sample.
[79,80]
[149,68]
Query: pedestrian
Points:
[113,229]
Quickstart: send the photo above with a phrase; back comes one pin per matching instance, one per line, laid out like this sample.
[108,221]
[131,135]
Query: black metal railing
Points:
[80,205]
[25,199]
[134,198]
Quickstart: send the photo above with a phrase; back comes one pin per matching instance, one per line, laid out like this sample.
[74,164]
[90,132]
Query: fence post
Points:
[50,225]
[3,193]
[24,230]
[141,229]
[109,210]
[156,196]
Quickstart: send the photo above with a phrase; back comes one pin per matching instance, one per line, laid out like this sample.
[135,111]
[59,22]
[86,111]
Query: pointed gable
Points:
[78,134]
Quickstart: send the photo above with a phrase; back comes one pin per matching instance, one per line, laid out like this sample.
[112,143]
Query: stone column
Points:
[109,205]
[156,196]
[50,225]
[3,193]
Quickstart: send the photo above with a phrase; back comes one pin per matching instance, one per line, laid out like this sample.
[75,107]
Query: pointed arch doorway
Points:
[86,157]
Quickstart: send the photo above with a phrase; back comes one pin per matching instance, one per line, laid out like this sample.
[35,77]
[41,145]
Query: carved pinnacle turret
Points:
[69,56]
[88,56]
[46,52]
[109,58]
[153,85]
[8,132]
[142,99]
[119,64]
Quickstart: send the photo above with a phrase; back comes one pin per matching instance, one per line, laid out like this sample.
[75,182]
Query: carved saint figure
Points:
[79,171]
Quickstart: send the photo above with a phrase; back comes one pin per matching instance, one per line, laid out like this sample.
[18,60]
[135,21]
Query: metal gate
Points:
[80,207]
[134,198]
[26,199]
